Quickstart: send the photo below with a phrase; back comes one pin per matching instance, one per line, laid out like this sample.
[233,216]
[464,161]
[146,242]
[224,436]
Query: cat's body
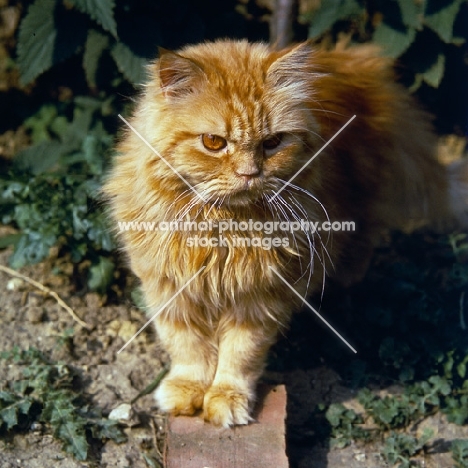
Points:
[237,121]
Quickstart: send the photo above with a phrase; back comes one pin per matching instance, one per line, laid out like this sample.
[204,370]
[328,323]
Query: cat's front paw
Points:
[179,396]
[226,406]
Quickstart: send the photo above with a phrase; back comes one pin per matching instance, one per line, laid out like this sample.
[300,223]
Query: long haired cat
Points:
[227,131]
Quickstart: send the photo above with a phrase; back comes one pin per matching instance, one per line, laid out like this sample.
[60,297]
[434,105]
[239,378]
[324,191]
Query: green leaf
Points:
[138,298]
[393,41]
[107,429]
[128,63]
[36,40]
[6,397]
[39,158]
[31,249]
[101,274]
[96,44]
[48,34]
[441,385]
[461,367]
[9,416]
[79,128]
[100,11]
[456,409]
[59,126]
[433,76]
[92,149]
[426,58]
[410,13]
[440,16]
[9,239]
[68,426]
[330,12]
[38,124]
[99,232]
[460,453]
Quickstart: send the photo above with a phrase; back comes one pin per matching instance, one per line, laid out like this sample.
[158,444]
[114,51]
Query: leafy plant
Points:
[416,32]
[48,394]
[460,453]
[54,30]
[50,194]
[399,448]
[115,38]
[345,425]
[396,413]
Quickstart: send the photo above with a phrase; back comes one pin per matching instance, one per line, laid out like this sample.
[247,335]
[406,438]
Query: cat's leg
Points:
[193,363]
[241,357]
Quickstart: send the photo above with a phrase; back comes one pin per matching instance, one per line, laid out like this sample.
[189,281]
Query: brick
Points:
[192,443]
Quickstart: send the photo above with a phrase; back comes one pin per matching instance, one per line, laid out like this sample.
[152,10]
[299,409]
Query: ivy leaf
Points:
[441,385]
[96,44]
[68,426]
[461,368]
[108,429]
[394,41]
[9,413]
[138,298]
[433,76]
[426,58]
[100,11]
[9,416]
[101,274]
[330,12]
[460,452]
[387,410]
[39,158]
[128,63]
[77,132]
[456,409]
[410,13]
[48,35]
[9,239]
[32,248]
[440,17]
[396,32]
[99,232]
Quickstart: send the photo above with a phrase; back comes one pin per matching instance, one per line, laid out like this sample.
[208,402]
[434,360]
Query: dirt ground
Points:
[28,319]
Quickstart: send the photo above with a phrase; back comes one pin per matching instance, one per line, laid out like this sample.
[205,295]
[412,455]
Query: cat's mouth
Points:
[245,193]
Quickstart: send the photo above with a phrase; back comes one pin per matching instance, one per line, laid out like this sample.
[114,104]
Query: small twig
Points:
[281,25]
[46,291]
[155,441]
[152,386]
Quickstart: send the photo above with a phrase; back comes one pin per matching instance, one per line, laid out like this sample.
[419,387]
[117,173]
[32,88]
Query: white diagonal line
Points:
[156,152]
[312,158]
[312,309]
[160,309]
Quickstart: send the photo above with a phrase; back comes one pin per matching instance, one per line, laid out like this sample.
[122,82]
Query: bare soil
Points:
[29,319]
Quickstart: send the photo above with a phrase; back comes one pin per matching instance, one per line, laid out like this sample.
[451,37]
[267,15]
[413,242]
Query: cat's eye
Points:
[213,142]
[272,141]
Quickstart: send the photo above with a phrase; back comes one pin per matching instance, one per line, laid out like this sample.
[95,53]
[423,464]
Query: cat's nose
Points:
[247,177]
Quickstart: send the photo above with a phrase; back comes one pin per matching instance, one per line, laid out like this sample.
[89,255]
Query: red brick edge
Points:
[192,443]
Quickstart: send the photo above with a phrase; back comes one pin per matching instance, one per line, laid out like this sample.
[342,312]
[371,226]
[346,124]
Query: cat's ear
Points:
[178,75]
[290,76]
[290,64]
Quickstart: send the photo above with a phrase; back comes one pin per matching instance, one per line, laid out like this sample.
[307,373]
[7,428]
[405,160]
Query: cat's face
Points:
[236,125]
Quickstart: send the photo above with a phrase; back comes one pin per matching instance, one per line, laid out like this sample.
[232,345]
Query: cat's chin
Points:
[243,198]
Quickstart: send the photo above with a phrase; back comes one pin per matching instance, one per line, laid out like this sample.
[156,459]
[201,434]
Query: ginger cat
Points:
[230,123]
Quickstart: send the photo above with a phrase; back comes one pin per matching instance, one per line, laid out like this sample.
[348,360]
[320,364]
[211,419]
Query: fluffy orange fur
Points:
[272,111]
